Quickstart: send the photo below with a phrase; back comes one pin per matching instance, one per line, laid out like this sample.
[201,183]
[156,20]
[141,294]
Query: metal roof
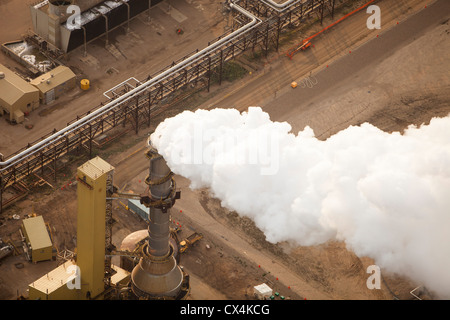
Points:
[95,167]
[53,78]
[55,279]
[37,232]
[64,273]
[13,87]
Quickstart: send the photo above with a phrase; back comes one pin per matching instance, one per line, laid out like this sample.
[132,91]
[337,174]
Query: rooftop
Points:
[53,78]
[55,279]
[13,87]
[95,167]
[37,232]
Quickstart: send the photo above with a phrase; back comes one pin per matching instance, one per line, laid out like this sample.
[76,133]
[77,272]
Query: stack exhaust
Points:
[157,275]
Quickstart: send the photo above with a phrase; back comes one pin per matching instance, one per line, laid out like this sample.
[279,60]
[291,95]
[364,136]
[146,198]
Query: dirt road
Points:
[407,63]
[274,80]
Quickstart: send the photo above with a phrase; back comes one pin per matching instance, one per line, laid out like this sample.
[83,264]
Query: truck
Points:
[189,241]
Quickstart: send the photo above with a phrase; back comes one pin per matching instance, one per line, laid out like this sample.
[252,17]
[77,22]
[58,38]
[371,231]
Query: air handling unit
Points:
[53,23]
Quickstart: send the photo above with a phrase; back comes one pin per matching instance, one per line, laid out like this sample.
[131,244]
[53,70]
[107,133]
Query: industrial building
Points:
[54,83]
[138,208]
[96,272]
[97,17]
[37,239]
[17,96]
[151,270]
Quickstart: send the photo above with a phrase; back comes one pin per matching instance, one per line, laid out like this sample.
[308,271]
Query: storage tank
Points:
[84,84]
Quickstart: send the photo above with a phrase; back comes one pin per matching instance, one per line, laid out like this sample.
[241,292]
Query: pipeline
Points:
[254,22]
[280,7]
[78,127]
[292,51]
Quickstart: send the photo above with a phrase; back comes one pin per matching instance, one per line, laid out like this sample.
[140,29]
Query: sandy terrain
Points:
[239,257]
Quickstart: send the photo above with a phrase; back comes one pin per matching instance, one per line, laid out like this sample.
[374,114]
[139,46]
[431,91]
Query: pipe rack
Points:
[136,104]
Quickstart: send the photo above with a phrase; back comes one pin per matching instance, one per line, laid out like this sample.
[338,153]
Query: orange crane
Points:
[305,44]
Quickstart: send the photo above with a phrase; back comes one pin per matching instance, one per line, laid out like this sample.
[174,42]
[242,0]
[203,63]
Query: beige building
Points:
[38,239]
[62,284]
[17,97]
[54,83]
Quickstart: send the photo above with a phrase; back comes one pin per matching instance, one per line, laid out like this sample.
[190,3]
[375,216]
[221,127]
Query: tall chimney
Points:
[157,275]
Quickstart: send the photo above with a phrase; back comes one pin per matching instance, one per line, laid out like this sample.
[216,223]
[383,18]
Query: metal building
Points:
[138,208]
[96,275]
[91,230]
[17,97]
[61,283]
[37,239]
[54,285]
[54,83]
[97,17]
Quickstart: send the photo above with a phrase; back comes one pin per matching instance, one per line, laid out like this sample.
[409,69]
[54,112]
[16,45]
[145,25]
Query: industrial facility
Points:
[153,273]
[54,84]
[90,209]
[17,97]
[98,17]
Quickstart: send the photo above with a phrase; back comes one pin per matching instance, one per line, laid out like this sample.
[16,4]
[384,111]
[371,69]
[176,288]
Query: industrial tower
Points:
[157,275]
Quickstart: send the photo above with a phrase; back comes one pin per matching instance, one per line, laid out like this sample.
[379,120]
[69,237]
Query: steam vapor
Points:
[387,196]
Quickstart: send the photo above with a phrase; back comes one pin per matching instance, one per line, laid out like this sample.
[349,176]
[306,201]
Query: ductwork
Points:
[279,7]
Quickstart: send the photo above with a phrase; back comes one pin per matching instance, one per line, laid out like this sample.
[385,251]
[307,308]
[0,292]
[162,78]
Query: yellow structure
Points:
[54,83]
[84,83]
[17,97]
[61,283]
[37,238]
[91,193]
[54,285]
[84,278]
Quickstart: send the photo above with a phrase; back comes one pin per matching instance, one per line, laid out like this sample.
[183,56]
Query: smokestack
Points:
[157,275]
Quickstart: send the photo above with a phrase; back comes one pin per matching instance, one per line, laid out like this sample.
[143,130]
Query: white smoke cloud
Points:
[387,196]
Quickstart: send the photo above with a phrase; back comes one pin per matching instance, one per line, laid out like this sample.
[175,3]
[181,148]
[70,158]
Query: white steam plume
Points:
[386,195]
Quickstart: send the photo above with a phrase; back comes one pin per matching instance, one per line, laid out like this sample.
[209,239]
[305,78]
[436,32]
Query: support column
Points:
[220,67]
[84,37]
[209,72]
[128,17]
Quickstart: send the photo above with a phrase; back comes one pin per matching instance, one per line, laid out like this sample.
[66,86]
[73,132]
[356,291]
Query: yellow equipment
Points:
[38,242]
[84,84]
[189,241]
[92,269]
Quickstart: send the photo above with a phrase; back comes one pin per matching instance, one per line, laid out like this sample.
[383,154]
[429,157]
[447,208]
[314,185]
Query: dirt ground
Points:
[238,256]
